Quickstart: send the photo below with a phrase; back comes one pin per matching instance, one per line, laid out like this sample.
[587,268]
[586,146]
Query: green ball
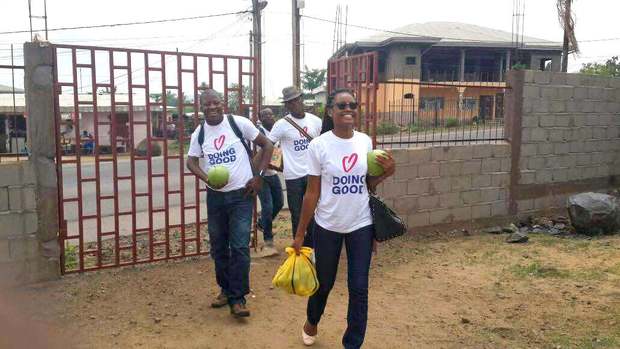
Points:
[217,176]
[374,169]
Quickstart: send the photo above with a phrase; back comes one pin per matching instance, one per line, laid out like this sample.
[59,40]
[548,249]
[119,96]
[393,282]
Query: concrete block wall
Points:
[20,257]
[570,136]
[442,185]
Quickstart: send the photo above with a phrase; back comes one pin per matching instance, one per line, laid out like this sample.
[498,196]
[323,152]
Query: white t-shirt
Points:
[342,164]
[294,144]
[222,147]
[264,131]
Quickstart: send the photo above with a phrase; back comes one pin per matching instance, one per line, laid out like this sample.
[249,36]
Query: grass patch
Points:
[387,128]
[539,271]
[452,122]
[71,257]
[589,342]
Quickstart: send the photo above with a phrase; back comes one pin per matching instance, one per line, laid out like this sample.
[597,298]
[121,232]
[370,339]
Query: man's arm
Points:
[193,165]
[267,148]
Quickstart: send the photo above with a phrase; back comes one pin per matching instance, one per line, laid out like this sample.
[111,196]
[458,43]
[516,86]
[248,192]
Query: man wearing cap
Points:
[292,132]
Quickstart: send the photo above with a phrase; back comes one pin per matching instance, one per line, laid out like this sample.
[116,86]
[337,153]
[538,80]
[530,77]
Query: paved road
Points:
[89,197]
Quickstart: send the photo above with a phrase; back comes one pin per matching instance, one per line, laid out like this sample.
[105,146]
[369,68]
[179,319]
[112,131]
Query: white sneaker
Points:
[308,340]
[269,251]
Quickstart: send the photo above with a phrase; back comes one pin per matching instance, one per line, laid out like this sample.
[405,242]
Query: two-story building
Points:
[426,67]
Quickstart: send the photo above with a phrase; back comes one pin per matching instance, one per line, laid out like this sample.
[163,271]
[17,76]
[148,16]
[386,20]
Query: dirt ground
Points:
[446,290]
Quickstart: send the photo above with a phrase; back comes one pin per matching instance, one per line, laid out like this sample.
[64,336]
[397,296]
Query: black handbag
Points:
[387,223]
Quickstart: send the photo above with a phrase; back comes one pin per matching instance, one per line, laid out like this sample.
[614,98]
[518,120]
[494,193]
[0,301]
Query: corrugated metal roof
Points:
[455,34]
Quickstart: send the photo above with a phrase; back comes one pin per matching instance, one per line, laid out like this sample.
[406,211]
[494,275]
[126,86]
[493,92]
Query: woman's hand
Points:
[387,163]
[298,242]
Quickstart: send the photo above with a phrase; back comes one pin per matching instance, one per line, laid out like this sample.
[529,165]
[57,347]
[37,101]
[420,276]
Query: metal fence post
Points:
[41,125]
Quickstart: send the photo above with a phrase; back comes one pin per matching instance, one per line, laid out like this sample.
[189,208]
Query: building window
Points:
[469,103]
[431,103]
[411,60]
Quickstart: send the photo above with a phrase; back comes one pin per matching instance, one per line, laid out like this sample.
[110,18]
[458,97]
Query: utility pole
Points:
[565,48]
[257,7]
[296,58]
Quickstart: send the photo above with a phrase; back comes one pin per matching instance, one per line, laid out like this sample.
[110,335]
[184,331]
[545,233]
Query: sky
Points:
[596,20]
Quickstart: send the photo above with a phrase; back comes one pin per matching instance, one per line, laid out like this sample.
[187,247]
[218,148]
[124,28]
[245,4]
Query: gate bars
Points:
[121,202]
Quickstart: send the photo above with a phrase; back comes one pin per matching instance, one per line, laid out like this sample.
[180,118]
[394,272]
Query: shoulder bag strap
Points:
[301,130]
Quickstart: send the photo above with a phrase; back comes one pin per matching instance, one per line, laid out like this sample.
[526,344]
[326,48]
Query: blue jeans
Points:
[271,202]
[295,190]
[327,247]
[229,217]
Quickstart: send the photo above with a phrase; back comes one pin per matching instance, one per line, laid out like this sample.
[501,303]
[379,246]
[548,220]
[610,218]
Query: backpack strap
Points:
[201,134]
[301,130]
[237,132]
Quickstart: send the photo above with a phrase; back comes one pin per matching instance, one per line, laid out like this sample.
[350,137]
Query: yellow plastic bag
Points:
[297,274]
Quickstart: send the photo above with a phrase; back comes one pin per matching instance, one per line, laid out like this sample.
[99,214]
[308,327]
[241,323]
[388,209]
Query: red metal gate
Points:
[124,119]
[360,74]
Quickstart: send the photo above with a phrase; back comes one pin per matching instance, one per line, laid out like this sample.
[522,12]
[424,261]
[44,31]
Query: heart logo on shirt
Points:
[219,142]
[305,128]
[348,162]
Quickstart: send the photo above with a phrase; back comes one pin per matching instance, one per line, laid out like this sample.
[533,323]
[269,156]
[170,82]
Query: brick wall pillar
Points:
[514,115]
[39,86]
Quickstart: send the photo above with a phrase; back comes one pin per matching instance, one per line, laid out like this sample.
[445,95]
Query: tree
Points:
[567,22]
[312,78]
[610,68]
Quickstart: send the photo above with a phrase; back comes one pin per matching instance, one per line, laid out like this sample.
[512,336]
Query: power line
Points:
[132,23]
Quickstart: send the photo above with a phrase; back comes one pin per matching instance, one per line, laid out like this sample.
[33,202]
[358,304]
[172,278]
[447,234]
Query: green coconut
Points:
[374,169]
[218,176]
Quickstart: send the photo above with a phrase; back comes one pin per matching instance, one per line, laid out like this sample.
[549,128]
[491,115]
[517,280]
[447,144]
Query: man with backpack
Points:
[223,140]
[294,132]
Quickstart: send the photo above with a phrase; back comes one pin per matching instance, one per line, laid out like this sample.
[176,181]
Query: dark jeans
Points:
[327,247]
[271,202]
[229,221]
[295,190]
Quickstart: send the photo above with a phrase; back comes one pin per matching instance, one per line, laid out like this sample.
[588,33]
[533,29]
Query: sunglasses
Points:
[343,106]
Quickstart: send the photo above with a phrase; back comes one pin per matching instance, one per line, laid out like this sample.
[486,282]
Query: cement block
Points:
[558,79]
[499,209]
[481,181]
[11,224]
[406,172]
[491,165]
[489,194]
[543,177]
[541,106]
[558,106]
[440,185]
[560,175]
[10,174]
[564,120]
[441,216]
[580,93]
[506,164]
[573,79]
[531,91]
[588,106]
[406,205]
[481,151]
[461,214]
[15,198]
[547,120]
[535,163]
[573,106]
[29,196]
[472,167]
[525,205]
[451,168]
[461,153]
[428,170]
[501,180]
[428,202]
[419,156]
[394,189]
[421,219]
[529,149]
[481,211]
[4,199]
[400,156]
[449,200]
[471,197]
[600,107]
[28,175]
[609,94]
[584,159]
[23,247]
[527,177]
[538,134]
[545,148]
[460,183]
[564,93]
[595,93]
[31,222]
[541,77]
[561,148]
[440,153]
[548,92]
[418,187]
[556,135]
[530,121]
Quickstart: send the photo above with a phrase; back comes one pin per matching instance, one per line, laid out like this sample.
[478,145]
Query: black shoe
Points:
[239,310]
[219,301]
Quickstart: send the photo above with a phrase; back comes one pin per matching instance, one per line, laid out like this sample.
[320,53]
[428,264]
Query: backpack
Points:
[236,131]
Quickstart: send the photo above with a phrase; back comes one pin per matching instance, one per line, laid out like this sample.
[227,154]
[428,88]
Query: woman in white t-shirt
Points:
[337,197]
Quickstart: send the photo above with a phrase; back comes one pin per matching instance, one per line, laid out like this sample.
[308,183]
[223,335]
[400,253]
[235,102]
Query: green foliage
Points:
[312,78]
[611,68]
[319,110]
[519,66]
[233,98]
[71,257]
[387,128]
[452,122]
[539,271]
